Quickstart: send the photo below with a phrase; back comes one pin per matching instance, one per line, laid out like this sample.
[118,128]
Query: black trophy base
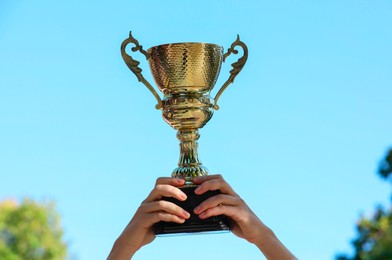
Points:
[194,224]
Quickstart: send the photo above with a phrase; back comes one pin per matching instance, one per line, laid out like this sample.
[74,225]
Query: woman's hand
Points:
[244,223]
[152,210]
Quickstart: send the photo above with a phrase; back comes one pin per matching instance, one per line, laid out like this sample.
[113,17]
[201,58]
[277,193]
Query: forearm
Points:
[121,251]
[272,248]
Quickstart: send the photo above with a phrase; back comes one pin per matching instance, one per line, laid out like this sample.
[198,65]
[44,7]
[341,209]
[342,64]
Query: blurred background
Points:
[299,135]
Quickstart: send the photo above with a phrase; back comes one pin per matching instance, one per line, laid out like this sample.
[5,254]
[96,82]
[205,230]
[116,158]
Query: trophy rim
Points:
[183,43]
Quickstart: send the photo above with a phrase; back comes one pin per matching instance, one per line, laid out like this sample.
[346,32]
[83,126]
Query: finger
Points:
[165,190]
[217,200]
[156,217]
[230,211]
[201,179]
[164,206]
[214,183]
[170,181]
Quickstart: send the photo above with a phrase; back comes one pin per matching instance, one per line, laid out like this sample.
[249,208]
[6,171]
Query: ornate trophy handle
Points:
[133,65]
[237,66]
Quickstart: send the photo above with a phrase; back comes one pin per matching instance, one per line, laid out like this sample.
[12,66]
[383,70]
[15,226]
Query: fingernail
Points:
[179,181]
[197,190]
[202,215]
[196,210]
[183,196]
[186,214]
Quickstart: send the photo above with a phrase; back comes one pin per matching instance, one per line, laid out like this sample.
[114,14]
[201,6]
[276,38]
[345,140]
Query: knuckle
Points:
[160,204]
[142,207]
[221,208]
[240,201]
[219,197]
[161,216]
[211,211]
[159,180]
[158,187]
[155,218]
[163,188]
[219,176]
[176,209]
[221,182]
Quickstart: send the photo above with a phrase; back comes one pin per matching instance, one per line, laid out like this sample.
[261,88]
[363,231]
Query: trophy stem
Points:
[189,165]
[188,168]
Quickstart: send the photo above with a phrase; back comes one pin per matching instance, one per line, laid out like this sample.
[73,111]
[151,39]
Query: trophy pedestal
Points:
[194,224]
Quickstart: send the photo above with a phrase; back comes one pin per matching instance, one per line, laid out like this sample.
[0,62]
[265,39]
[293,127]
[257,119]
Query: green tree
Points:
[374,240]
[30,230]
[385,168]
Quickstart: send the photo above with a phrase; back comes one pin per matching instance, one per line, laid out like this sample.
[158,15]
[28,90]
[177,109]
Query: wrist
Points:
[269,244]
[122,250]
[265,236]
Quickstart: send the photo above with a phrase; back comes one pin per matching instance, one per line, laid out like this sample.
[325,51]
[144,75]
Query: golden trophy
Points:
[186,73]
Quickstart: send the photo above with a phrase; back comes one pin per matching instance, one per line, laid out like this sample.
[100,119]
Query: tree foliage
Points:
[385,168]
[374,240]
[30,231]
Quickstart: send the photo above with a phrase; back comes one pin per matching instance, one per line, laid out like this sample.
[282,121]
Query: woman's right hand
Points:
[152,210]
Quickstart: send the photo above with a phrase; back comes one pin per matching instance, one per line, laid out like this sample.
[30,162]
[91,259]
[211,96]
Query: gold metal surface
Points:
[237,66]
[186,73]
[185,67]
[133,65]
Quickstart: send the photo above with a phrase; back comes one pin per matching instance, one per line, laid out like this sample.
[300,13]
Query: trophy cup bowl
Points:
[186,73]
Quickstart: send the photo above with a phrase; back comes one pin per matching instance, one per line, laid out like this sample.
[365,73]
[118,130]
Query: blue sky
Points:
[299,134]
